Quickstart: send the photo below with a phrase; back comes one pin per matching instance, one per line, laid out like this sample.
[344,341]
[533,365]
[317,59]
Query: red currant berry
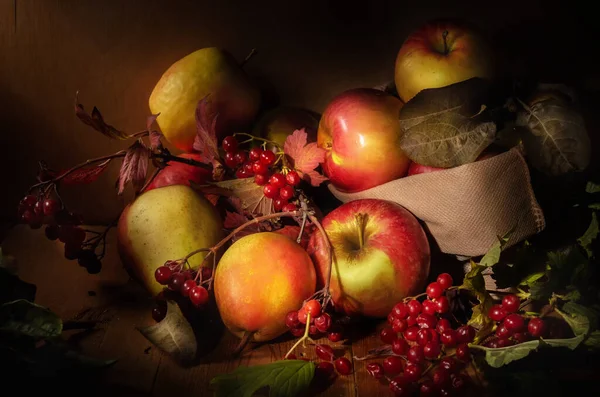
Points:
[254,154]
[411,320]
[287,192]
[313,307]
[465,334]
[230,160]
[277,180]
[434,290]
[426,321]
[536,327]
[51,207]
[445,281]
[443,325]
[413,372]
[511,303]
[291,319]
[343,366]
[463,353]
[392,365]
[289,207]
[259,168]
[411,334]
[435,337]
[431,350]
[163,275]
[293,178]
[423,336]
[415,354]
[399,346]
[248,169]
[497,313]
[187,287]
[400,310]
[503,332]
[260,179]
[334,336]
[176,282]
[399,325]
[229,144]
[429,307]
[442,305]
[270,191]
[414,307]
[324,352]
[375,370]
[198,295]
[240,157]
[387,335]
[323,322]
[267,157]
[514,322]
[448,337]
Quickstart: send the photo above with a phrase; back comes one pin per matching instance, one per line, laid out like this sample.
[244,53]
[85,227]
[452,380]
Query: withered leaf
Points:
[464,98]
[96,121]
[154,135]
[173,334]
[447,140]
[250,194]
[556,141]
[206,136]
[86,174]
[134,167]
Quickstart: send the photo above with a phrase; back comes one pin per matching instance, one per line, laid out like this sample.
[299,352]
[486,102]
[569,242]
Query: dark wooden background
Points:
[114,51]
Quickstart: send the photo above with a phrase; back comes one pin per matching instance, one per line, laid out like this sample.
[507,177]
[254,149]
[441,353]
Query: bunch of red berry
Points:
[320,323]
[512,328]
[260,164]
[62,225]
[426,352]
[185,281]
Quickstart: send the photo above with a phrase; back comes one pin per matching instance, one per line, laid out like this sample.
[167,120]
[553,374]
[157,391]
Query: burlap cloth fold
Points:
[466,208]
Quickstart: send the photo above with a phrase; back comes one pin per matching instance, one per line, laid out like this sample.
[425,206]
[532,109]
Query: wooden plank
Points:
[366,385]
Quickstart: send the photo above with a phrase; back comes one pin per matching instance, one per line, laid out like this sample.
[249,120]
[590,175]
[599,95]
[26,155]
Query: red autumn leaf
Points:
[155,136]
[305,157]
[96,121]
[233,220]
[134,167]
[206,137]
[85,174]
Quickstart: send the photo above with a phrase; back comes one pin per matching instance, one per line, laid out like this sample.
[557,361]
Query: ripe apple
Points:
[176,173]
[258,280]
[206,71]
[438,54]
[277,124]
[360,131]
[162,224]
[380,255]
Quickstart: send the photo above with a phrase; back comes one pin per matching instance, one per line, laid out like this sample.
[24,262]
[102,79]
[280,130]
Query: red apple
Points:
[416,168]
[381,255]
[176,173]
[360,131]
[438,54]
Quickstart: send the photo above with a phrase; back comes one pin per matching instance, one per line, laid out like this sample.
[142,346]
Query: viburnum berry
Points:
[261,179]
[400,310]
[267,157]
[511,303]
[536,327]
[449,364]
[198,295]
[324,352]
[442,305]
[514,322]
[429,307]
[401,387]
[313,307]
[287,192]
[448,337]
[323,322]
[230,160]
[240,157]
[425,320]
[392,365]
[399,346]
[159,312]
[343,366]
[521,337]
[443,325]
[289,207]
[458,381]
[463,353]
[187,286]
[279,203]
[248,169]
[271,191]
[504,342]
[259,168]
[445,281]
[399,325]
[465,334]
[414,307]
[298,331]
[375,370]
[277,180]
[431,350]
[163,275]
[434,290]
[241,173]
[423,336]
[302,315]
[415,354]
[387,335]
[291,319]
[51,232]
[293,178]
[441,377]
[411,334]
[411,320]
[427,389]
[324,370]
[413,372]
[229,144]
[497,313]
[502,331]
[254,154]
[51,207]
[334,336]
[176,282]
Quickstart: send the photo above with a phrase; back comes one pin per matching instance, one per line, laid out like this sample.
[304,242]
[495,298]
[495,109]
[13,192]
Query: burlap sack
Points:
[466,208]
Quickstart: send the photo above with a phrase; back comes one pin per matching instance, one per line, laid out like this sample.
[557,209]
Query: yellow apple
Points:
[162,224]
[277,124]
[438,54]
[207,71]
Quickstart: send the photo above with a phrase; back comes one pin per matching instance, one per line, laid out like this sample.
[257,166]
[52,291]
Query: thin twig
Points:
[304,218]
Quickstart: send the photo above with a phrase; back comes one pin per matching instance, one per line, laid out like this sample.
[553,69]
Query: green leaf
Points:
[532,278]
[286,378]
[563,268]
[492,257]
[573,295]
[594,206]
[25,318]
[582,319]
[592,187]
[578,323]
[590,234]
[593,340]
[475,283]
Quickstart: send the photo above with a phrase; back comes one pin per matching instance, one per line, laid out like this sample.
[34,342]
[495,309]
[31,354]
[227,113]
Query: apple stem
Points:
[361,220]
[444,36]
[248,57]
[243,343]
[302,339]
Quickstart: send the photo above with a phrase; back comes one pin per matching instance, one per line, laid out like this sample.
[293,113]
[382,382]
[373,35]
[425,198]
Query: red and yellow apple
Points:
[164,224]
[176,173]
[441,53]
[258,280]
[360,132]
[208,71]
[380,255]
[279,123]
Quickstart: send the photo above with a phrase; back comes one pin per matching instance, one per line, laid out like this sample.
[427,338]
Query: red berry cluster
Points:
[320,323]
[258,163]
[62,225]
[421,337]
[513,328]
[186,282]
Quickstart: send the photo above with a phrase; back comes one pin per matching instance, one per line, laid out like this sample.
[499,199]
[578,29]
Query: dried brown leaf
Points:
[134,167]
[206,137]
[96,121]
[250,194]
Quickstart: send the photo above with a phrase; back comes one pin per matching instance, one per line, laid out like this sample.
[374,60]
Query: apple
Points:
[258,280]
[233,96]
[176,173]
[380,255]
[441,53]
[277,124]
[162,224]
[416,168]
[360,131]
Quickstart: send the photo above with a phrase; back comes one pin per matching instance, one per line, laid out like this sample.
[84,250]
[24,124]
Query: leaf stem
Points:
[302,339]
[279,148]
[248,57]
[302,225]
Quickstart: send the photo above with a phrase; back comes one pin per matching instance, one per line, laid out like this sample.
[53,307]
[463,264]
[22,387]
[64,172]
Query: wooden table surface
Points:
[122,305]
